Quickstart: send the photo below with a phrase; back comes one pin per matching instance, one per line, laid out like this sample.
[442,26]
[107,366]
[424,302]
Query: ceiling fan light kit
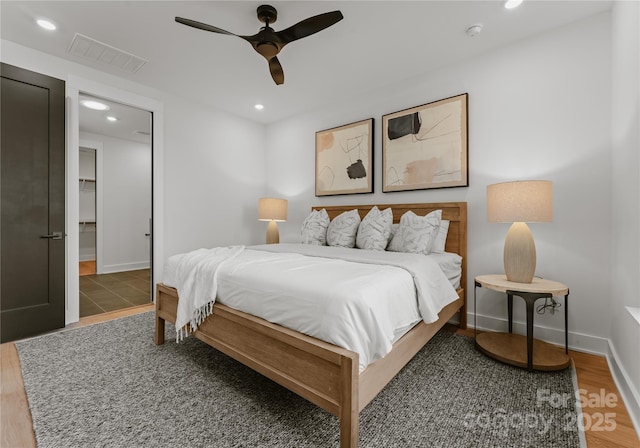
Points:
[267,42]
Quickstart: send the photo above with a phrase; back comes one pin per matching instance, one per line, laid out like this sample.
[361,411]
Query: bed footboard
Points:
[322,373]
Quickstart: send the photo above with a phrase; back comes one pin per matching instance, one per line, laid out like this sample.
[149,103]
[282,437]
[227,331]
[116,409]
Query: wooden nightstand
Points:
[516,349]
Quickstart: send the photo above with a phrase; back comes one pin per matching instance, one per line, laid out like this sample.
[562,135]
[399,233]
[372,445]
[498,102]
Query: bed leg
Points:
[349,418]
[463,312]
[349,432]
[159,336]
[463,316]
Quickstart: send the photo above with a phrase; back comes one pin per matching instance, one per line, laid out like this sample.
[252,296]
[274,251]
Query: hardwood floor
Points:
[87,268]
[593,374]
[594,378]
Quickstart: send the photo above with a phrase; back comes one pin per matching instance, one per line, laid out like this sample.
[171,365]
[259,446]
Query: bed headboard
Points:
[455,212]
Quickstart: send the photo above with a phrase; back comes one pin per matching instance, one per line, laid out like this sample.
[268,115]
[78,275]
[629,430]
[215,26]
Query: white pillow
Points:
[375,229]
[314,228]
[415,233]
[394,230]
[441,238]
[342,230]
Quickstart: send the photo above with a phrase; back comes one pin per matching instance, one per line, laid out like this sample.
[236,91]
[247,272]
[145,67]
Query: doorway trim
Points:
[75,85]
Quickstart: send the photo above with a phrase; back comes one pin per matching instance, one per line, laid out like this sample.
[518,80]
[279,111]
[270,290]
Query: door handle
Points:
[147,234]
[53,236]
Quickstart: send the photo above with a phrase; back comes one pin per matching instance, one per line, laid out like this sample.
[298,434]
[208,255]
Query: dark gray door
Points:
[32,158]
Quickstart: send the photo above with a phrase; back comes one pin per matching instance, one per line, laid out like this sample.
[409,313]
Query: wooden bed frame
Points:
[323,373]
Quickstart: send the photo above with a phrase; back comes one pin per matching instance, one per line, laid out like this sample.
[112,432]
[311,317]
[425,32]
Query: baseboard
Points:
[630,395]
[577,341]
[112,268]
[88,257]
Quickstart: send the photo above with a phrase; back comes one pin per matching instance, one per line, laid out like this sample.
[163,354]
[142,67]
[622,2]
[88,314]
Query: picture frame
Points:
[344,159]
[426,146]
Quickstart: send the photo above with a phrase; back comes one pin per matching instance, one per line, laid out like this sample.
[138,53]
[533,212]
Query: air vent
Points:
[94,50]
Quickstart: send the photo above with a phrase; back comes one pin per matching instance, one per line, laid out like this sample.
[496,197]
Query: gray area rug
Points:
[97,386]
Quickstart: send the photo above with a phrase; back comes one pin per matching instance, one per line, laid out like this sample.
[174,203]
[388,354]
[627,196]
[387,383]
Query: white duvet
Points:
[356,299]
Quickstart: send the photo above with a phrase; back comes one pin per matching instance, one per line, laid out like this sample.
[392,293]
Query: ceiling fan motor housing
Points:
[267,14]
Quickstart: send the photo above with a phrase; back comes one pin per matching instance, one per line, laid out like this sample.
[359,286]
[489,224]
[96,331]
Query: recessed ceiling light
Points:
[510,4]
[259,106]
[46,24]
[474,30]
[95,105]
[112,118]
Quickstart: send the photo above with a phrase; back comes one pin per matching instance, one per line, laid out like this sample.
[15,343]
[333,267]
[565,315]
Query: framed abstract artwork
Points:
[344,159]
[426,146]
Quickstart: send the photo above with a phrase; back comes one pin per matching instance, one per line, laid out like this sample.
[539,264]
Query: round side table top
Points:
[499,282]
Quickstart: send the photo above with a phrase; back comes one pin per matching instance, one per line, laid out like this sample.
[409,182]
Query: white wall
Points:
[538,109]
[126,202]
[215,175]
[625,202]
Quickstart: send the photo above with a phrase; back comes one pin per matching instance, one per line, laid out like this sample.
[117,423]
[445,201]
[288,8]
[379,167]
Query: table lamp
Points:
[272,210]
[520,202]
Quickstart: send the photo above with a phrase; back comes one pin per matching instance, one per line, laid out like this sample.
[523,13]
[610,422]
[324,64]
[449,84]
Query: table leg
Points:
[530,302]
[566,324]
[475,311]
[510,311]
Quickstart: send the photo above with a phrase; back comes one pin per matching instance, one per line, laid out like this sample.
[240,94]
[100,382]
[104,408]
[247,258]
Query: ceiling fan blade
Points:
[276,70]
[309,26]
[202,26]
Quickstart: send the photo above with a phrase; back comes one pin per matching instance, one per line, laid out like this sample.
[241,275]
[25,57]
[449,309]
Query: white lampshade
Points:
[272,209]
[520,202]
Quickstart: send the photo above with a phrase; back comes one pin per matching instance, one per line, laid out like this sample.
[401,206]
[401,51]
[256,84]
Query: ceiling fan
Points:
[268,42]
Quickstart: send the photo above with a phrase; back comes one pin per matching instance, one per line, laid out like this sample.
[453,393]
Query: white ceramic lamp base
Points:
[519,254]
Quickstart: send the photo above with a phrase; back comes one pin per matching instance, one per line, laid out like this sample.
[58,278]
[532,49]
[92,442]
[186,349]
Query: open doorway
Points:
[115,206]
[87,211]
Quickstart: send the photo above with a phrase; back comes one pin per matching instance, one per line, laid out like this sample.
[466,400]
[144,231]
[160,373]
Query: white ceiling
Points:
[378,43]
[131,124]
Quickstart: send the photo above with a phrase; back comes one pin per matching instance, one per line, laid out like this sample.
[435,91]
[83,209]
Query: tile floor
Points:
[110,292]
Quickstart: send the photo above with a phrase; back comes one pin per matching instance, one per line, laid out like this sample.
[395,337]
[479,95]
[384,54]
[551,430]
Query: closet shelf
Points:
[83,184]
[83,225]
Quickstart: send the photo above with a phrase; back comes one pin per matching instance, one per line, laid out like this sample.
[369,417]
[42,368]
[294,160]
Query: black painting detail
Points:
[356,170]
[405,125]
